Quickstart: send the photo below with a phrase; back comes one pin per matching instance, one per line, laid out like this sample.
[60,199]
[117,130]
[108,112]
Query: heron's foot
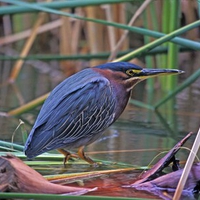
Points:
[82,155]
[67,155]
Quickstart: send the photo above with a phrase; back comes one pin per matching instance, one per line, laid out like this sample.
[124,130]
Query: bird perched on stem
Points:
[80,108]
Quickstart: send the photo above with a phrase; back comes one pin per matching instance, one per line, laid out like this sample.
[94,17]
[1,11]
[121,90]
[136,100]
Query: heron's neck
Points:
[130,83]
[119,89]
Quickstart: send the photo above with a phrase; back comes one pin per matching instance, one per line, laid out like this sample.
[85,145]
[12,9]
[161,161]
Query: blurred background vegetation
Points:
[56,44]
[43,42]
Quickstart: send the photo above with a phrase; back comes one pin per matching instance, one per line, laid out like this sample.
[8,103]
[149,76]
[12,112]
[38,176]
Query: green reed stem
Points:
[148,59]
[173,48]
[103,55]
[28,106]
[11,145]
[141,104]
[170,82]
[155,25]
[158,42]
[58,197]
[185,84]
[56,5]
[165,29]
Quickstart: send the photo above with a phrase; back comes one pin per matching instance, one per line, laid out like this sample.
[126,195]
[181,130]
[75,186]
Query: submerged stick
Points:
[15,176]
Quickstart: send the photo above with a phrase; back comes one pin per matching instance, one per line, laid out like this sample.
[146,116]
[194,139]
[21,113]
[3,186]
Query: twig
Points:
[187,167]
[25,50]
[17,67]
[111,30]
[118,45]
[24,34]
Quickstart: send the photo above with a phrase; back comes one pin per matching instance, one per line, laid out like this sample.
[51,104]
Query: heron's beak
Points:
[148,73]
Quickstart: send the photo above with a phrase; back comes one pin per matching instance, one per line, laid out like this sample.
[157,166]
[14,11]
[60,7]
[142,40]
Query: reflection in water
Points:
[111,185]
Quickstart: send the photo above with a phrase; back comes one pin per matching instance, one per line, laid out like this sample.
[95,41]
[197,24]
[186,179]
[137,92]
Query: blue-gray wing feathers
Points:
[75,113]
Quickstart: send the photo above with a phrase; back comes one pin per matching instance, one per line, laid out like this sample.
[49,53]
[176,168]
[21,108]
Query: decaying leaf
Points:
[15,176]
[155,182]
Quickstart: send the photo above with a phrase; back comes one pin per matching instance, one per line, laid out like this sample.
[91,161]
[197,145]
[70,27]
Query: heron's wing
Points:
[83,112]
[62,91]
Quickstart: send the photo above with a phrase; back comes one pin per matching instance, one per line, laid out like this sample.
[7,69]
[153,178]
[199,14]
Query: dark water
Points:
[136,138]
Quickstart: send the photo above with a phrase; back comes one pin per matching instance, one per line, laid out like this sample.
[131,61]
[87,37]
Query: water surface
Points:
[135,138]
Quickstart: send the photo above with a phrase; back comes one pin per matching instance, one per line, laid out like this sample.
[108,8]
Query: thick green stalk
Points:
[165,29]
[173,49]
[198,8]
[166,16]
[172,62]
[165,25]
[148,59]
[155,25]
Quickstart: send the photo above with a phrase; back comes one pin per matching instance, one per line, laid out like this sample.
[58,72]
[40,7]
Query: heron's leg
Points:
[82,155]
[67,155]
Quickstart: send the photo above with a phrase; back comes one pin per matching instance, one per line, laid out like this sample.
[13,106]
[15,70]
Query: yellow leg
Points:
[82,155]
[67,155]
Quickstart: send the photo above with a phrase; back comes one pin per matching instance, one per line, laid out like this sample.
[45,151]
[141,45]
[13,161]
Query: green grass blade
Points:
[141,104]
[165,29]
[11,145]
[198,8]
[103,55]
[58,197]
[185,84]
[159,41]
[171,81]
[149,60]
[7,10]
[28,106]
[8,149]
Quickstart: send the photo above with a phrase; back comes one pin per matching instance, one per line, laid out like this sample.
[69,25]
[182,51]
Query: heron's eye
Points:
[133,72]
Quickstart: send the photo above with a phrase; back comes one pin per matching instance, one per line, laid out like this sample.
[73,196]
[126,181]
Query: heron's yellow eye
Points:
[132,72]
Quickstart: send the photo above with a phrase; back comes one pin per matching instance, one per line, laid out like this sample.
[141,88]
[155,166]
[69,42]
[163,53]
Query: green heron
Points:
[80,108]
